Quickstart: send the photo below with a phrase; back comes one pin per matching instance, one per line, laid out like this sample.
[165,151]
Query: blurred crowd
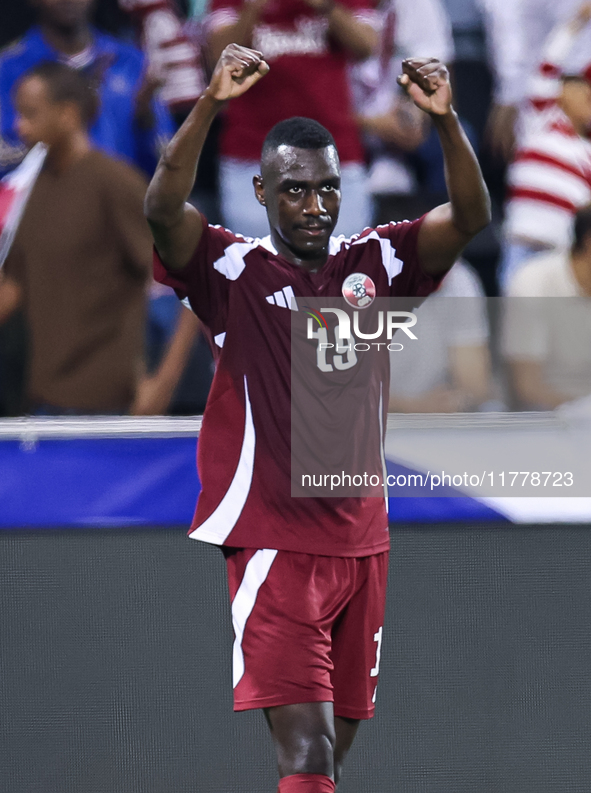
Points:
[83,327]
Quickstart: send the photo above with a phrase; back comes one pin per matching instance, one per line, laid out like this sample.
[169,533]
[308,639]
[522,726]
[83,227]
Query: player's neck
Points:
[310,264]
[68,41]
[64,155]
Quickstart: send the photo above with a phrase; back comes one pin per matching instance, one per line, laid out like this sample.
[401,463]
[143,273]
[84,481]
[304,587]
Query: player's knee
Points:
[311,754]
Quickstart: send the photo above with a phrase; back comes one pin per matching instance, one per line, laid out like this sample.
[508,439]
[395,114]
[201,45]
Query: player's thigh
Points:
[357,641]
[282,628]
[241,212]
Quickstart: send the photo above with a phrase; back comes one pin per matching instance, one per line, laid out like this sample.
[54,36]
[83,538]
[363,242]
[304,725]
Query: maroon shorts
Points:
[307,629]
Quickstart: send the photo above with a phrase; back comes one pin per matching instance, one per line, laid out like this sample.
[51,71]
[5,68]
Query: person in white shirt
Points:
[390,123]
[519,32]
[547,324]
[550,176]
[447,369]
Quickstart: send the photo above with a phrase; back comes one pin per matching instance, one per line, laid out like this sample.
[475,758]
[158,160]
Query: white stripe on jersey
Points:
[231,264]
[292,303]
[550,179]
[224,517]
[382,448]
[392,265]
[565,148]
[280,299]
[551,137]
[255,575]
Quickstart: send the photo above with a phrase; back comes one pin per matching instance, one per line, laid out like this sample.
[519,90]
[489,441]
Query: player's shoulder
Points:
[230,251]
[387,234]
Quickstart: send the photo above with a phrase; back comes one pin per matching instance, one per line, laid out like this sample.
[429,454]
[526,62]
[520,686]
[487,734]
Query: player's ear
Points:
[259,189]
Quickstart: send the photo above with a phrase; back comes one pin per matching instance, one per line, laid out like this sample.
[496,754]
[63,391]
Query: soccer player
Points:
[307,575]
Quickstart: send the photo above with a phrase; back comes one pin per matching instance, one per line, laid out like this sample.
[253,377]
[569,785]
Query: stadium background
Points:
[116,645]
[115,670]
[116,634]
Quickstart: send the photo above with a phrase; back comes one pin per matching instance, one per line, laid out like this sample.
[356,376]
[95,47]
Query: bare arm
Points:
[470,376]
[404,126]
[10,297]
[530,387]
[176,224]
[155,391]
[470,372]
[448,228]
[357,37]
[238,33]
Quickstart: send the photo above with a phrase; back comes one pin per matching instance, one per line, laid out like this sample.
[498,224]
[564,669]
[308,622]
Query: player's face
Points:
[301,189]
[39,119]
[65,14]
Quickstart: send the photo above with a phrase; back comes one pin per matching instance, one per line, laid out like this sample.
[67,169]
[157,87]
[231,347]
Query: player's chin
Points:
[311,239]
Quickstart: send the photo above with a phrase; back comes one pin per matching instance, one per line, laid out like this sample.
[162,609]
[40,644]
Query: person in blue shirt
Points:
[131,124]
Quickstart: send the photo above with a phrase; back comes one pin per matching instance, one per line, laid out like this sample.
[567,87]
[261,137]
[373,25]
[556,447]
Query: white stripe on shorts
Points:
[255,574]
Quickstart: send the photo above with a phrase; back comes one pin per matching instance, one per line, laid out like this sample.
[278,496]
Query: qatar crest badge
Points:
[359,290]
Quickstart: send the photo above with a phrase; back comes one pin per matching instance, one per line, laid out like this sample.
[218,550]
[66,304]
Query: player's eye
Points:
[295,190]
[329,188]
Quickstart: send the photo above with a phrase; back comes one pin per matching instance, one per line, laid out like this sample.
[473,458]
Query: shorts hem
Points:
[283,699]
[354,713]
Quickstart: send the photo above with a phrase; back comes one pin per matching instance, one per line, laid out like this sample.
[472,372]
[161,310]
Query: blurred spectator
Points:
[547,327]
[176,342]
[447,369]
[561,54]
[523,28]
[172,56]
[550,177]
[390,121]
[502,24]
[172,345]
[80,260]
[130,124]
[308,44]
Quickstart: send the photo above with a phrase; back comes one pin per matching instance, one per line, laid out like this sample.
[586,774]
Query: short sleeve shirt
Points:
[308,77]
[244,292]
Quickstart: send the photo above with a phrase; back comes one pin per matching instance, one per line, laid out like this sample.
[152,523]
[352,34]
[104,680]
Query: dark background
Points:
[115,666]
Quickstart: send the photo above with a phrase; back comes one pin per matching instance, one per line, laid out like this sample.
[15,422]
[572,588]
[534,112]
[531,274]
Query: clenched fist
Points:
[426,81]
[237,70]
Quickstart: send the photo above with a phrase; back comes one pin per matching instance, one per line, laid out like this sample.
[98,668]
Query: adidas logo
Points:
[283,298]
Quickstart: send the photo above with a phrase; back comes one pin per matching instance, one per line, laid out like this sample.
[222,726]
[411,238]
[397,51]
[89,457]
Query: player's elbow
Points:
[472,223]
[158,210]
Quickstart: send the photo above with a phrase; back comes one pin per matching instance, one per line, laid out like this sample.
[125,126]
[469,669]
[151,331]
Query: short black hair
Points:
[301,132]
[582,227]
[67,85]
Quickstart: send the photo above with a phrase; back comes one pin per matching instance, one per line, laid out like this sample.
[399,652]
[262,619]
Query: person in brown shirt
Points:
[81,258]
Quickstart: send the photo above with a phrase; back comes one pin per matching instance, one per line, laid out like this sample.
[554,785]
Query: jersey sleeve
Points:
[205,281]
[406,277]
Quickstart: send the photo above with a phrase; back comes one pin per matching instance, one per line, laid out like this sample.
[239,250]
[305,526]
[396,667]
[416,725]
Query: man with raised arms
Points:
[307,576]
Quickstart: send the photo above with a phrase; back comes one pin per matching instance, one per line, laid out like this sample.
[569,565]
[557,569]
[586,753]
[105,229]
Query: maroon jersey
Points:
[308,76]
[241,289]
